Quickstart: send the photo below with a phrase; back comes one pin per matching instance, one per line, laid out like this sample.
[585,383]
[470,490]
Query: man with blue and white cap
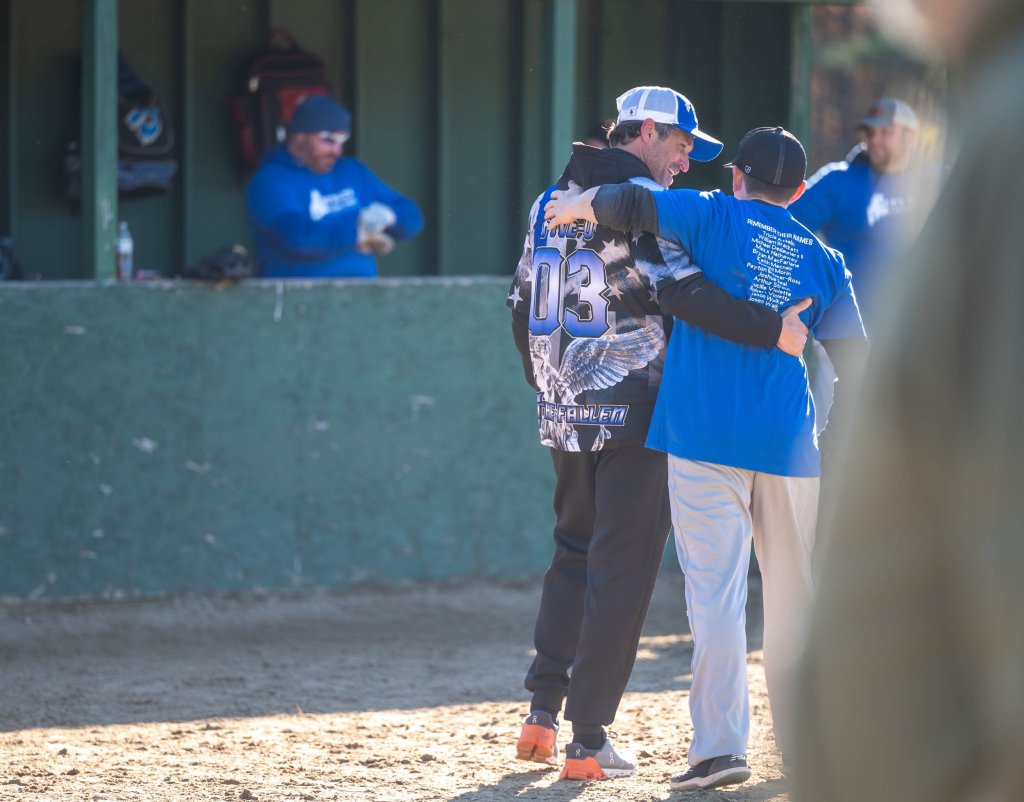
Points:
[668,107]
[591,311]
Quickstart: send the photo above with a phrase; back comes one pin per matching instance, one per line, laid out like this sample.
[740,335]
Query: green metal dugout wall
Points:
[467,106]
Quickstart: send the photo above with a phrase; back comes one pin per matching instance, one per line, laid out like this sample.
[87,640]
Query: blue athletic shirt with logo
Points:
[866,214]
[304,224]
[732,404]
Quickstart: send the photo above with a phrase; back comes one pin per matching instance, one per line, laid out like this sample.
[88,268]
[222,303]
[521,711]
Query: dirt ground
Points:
[407,694]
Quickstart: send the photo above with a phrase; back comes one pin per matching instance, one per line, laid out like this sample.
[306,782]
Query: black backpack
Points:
[272,82]
[145,141]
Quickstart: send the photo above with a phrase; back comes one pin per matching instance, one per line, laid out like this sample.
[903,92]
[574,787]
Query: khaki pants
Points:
[716,512]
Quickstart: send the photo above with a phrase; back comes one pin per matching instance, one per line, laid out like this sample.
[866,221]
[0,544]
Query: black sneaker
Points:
[713,773]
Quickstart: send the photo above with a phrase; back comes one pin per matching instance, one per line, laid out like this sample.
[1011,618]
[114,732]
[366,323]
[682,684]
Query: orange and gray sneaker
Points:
[538,740]
[597,764]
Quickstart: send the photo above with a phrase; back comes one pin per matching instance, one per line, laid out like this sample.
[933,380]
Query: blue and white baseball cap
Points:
[664,105]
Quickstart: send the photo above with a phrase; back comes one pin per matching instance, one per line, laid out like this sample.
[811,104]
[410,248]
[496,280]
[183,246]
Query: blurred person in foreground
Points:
[913,674]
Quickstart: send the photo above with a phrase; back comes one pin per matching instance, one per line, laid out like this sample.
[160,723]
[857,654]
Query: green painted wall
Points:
[44,43]
[396,128]
[214,37]
[162,436]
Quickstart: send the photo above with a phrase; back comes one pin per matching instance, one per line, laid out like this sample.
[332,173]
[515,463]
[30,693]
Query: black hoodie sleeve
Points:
[628,207]
[707,306]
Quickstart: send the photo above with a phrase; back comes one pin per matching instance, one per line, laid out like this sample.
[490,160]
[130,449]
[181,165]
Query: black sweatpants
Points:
[612,522]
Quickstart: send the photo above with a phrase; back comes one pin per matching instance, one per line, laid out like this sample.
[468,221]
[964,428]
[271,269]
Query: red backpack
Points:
[272,83]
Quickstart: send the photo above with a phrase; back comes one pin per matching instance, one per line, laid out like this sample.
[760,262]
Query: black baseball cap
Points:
[773,155]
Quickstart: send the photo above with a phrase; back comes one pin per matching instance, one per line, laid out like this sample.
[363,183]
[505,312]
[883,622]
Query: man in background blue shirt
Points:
[316,214]
[862,205]
[868,207]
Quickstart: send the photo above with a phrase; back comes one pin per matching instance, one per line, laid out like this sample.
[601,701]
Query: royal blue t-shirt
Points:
[733,404]
[860,212]
[304,224]
[866,215]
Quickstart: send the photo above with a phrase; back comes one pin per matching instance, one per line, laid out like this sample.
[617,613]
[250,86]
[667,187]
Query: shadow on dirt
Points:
[194,658]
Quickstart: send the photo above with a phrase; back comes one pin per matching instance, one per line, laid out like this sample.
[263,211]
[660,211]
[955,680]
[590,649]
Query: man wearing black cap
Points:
[588,315]
[315,214]
[743,462]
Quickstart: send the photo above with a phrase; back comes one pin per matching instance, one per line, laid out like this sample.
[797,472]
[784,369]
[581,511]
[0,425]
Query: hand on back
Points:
[567,205]
[794,333]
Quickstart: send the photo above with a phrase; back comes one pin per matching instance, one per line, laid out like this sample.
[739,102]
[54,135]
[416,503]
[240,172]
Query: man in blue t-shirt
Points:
[868,206]
[316,214]
[864,205]
[737,423]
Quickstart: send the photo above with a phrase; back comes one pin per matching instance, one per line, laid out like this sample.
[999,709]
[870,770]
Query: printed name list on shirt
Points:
[776,256]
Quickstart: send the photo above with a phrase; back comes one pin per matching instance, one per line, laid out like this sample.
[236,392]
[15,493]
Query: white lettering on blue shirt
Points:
[322,205]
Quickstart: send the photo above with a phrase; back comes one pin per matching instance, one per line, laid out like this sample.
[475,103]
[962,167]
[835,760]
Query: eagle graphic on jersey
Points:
[597,367]
[588,364]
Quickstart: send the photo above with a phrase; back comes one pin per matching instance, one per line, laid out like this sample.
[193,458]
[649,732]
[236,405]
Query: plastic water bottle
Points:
[125,252]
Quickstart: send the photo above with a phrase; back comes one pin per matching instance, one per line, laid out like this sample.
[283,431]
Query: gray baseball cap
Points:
[890,111]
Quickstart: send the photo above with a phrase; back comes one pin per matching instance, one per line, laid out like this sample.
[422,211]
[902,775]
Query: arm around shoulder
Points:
[707,306]
[626,207]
